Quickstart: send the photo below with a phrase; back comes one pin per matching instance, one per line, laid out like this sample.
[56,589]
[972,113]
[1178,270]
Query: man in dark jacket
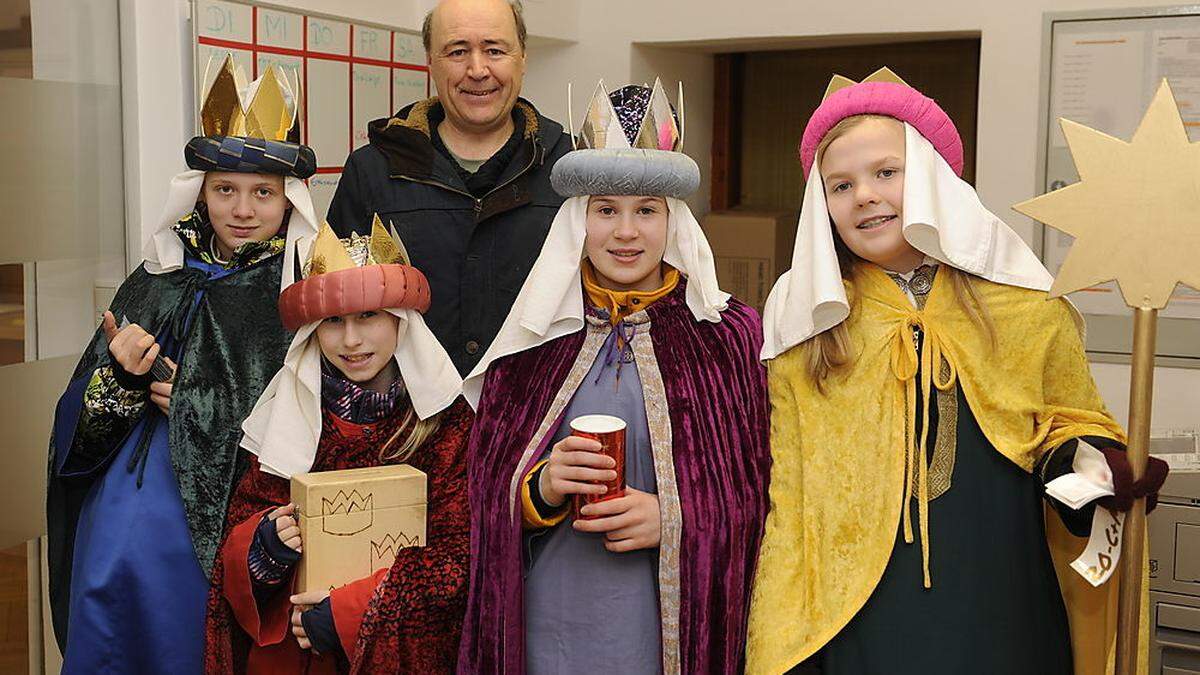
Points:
[464,177]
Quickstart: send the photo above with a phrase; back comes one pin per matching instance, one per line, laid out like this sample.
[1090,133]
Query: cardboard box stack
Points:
[751,248]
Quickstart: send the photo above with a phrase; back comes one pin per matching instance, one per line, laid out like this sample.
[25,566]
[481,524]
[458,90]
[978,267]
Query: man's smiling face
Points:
[476,62]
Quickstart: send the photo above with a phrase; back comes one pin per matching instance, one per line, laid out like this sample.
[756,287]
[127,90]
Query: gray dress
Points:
[586,609]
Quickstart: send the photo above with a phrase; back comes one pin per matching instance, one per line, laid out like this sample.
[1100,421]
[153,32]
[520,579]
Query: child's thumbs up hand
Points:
[109,326]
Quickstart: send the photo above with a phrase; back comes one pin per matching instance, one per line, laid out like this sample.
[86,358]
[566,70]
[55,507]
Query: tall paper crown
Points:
[881,93]
[630,144]
[650,125]
[250,128]
[330,254]
[357,274]
[267,109]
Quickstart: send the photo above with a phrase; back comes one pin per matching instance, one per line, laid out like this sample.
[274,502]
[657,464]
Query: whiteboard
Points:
[1101,69]
[351,72]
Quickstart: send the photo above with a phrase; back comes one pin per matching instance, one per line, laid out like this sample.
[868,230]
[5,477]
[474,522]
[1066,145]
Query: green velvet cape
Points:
[228,347]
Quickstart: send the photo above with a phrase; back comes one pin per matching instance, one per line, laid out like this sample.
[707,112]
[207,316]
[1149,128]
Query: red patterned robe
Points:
[406,619]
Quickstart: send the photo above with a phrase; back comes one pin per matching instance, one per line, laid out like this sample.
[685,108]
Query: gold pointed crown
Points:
[267,108]
[330,254]
[356,274]
[884,74]
[655,127]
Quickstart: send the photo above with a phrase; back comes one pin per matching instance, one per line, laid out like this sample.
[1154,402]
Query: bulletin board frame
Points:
[403,59]
[1109,335]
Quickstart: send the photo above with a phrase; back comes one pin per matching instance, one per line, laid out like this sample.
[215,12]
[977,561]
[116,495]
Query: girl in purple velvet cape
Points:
[621,314]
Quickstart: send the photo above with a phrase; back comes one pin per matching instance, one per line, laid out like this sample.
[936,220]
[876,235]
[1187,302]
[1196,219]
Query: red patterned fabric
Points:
[358,289]
[413,611]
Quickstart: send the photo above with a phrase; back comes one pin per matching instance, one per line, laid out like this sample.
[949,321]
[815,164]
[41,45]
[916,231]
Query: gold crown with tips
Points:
[884,74]
[330,254]
[267,108]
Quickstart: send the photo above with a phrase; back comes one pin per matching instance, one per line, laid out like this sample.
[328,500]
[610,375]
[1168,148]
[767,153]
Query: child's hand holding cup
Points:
[609,432]
[587,466]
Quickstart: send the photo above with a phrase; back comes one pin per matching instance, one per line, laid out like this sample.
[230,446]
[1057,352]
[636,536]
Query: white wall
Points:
[612,43]
[155,84]
[634,40]
[74,41]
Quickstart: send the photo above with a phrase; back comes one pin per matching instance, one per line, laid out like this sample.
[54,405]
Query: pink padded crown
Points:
[349,291]
[884,98]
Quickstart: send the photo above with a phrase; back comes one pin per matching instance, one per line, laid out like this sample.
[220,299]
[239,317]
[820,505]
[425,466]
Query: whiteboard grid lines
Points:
[317,53]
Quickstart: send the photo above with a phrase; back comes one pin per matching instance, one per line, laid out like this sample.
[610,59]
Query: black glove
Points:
[318,625]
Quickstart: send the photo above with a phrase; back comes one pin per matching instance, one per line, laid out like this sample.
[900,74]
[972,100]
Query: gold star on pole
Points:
[1135,214]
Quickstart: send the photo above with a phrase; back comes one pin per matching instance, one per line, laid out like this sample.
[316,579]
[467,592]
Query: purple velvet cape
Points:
[716,394]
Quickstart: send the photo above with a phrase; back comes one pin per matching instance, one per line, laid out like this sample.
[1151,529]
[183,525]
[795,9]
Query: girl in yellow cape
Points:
[923,390]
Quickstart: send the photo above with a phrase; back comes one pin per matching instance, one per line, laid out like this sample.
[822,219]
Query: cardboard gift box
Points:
[751,249]
[352,522]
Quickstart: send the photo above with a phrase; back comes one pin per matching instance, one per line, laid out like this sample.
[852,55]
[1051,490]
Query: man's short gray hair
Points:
[518,18]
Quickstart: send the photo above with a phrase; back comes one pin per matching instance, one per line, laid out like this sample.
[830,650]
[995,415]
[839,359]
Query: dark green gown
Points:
[227,338]
[995,604]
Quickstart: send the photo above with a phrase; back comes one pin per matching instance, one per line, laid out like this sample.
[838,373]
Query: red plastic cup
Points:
[610,432]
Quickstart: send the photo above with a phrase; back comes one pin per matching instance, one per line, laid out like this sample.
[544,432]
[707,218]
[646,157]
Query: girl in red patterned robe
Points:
[386,393]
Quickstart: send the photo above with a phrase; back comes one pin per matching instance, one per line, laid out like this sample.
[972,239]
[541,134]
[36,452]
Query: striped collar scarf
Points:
[353,403]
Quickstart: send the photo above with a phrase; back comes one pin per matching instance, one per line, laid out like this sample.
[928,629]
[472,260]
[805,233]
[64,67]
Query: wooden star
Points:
[1135,214]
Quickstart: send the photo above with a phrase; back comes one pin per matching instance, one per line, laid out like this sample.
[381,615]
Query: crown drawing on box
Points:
[383,552]
[884,74]
[654,127]
[347,513]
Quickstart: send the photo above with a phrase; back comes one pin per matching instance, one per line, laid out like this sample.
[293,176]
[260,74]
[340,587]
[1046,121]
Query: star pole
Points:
[1135,216]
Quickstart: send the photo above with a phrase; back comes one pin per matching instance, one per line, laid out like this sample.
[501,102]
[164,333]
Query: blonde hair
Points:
[831,350]
[421,431]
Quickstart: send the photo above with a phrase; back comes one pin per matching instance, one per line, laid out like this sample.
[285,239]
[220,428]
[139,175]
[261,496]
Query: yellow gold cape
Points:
[839,473]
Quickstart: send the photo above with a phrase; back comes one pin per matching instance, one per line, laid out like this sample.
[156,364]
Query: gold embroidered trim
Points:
[941,464]
[583,363]
[945,445]
[658,419]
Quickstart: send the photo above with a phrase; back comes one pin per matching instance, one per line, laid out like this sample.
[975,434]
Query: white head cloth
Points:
[163,251]
[285,426]
[550,304]
[942,217]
